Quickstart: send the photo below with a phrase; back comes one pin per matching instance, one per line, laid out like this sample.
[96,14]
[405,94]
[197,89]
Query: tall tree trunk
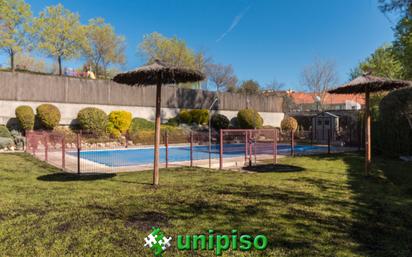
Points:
[59,60]
[105,71]
[96,70]
[12,60]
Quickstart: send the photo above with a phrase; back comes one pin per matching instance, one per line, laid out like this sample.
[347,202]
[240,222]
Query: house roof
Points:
[330,99]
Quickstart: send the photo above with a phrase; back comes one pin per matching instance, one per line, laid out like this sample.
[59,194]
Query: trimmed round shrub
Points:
[4,132]
[25,116]
[139,124]
[289,124]
[199,116]
[233,123]
[249,119]
[92,119]
[48,116]
[121,120]
[219,121]
[185,117]
[119,123]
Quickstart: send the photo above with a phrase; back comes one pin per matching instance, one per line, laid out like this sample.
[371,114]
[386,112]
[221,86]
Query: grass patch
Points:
[326,208]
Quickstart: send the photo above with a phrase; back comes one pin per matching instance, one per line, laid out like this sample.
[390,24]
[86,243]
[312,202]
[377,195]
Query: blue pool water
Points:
[128,157]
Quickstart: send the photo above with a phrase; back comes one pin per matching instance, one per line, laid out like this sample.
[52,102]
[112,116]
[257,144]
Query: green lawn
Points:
[324,207]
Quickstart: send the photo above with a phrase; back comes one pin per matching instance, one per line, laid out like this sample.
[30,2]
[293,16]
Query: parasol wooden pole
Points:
[157,134]
[367,132]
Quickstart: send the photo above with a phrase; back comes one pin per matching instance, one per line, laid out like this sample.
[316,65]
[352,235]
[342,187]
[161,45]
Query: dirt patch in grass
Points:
[64,227]
[146,220]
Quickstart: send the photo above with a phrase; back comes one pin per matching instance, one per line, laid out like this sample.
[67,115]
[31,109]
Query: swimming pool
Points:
[141,156]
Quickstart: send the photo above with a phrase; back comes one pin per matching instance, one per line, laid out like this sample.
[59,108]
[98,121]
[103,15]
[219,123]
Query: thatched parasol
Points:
[367,84]
[158,74]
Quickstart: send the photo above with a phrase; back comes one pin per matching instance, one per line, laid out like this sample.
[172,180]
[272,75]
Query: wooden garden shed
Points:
[323,124]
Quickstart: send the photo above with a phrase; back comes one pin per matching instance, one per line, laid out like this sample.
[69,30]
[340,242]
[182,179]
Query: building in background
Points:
[303,101]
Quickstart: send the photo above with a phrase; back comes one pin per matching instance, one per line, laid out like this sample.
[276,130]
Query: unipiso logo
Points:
[158,243]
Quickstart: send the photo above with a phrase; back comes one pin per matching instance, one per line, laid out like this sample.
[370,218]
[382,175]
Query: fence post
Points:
[63,154]
[292,143]
[191,149]
[167,148]
[27,134]
[221,150]
[210,148]
[25,147]
[250,148]
[329,139]
[246,146]
[275,146]
[255,142]
[79,141]
[46,146]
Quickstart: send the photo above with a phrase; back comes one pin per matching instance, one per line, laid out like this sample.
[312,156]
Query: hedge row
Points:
[97,121]
[119,122]
[246,119]
[392,133]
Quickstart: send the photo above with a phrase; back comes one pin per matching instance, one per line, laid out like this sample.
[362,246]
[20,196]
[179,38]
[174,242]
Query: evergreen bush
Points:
[48,116]
[249,119]
[25,116]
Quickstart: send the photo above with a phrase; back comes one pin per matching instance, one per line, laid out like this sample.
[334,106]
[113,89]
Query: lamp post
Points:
[210,131]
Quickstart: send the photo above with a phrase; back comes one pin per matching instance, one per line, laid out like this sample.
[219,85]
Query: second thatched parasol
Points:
[367,84]
[158,74]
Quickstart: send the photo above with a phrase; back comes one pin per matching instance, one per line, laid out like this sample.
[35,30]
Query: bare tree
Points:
[222,76]
[274,86]
[319,77]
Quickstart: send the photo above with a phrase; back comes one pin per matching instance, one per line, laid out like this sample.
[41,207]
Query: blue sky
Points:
[262,39]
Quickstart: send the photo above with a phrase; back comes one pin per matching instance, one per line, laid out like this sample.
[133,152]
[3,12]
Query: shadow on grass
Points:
[274,168]
[67,177]
[383,214]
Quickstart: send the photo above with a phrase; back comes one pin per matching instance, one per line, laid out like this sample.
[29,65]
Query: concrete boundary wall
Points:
[41,88]
[69,111]
[72,94]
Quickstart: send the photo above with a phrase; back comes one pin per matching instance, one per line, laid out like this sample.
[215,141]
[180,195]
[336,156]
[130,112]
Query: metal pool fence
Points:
[253,145]
[86,152]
